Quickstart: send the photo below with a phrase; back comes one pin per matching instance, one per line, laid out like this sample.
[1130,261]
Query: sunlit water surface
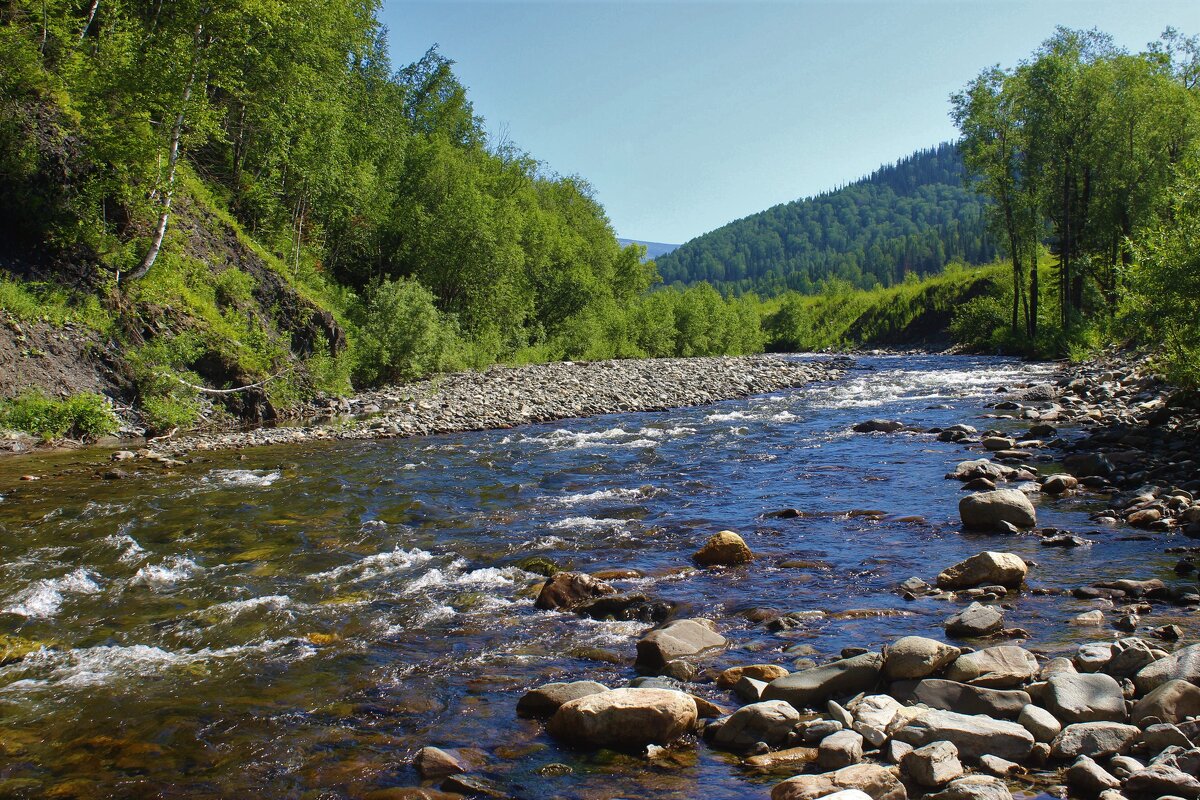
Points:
[298,623]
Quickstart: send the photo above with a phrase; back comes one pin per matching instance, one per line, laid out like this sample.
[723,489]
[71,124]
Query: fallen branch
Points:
[206,390]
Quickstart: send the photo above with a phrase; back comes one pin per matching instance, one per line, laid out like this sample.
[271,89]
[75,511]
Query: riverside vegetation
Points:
[197,199]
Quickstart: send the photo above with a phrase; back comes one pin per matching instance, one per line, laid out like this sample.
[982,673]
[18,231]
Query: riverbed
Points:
[298,621]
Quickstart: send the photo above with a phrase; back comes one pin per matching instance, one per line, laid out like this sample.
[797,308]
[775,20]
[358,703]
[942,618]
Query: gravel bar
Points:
[503,397]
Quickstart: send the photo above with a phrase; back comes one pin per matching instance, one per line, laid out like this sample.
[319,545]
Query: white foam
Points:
[374,566]
[242,477]
[543,543]
[438,613]
[93,666]
[454,577]
[131,551]
[585,439]
[884,386]
[728,417]
[172,570]
[45,597]
[587,523]
[602,494]
[232,608]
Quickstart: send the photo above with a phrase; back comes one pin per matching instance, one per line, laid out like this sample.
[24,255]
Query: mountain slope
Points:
[914,216]
[653,249]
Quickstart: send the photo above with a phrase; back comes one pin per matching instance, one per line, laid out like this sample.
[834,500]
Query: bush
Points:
[980,323]
[401,336]
[163,412]
[85,416]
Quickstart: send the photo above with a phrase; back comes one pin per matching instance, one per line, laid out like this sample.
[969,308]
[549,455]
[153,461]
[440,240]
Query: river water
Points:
[298,622]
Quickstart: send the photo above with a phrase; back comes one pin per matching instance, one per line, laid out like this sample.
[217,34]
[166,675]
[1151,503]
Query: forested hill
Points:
[914,216]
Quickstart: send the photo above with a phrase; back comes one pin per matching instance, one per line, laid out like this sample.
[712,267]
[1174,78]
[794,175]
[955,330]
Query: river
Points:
[298,622]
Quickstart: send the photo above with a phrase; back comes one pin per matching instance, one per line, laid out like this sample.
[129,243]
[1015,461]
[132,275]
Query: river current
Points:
[298,622]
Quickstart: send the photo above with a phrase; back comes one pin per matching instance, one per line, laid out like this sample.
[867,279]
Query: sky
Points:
[686,115]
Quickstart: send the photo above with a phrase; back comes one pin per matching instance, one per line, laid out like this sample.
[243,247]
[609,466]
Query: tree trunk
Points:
[1033,292]
[160,230]
[91,17]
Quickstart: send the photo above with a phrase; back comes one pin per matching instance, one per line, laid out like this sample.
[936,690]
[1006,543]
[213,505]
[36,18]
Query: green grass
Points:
[908,313]
[53,305]
[86,416]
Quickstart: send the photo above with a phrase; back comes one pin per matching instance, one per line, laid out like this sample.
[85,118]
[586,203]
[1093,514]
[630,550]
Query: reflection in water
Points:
[301,621]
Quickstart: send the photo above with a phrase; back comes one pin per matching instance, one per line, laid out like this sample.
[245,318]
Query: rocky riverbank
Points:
[980,711]
[503,397]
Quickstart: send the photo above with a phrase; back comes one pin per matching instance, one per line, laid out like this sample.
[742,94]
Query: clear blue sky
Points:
[686,115]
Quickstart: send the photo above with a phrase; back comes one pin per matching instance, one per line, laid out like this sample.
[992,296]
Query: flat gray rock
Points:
[1000,667]
[545,700]
[962,697]
[913,657]
[1084,698]
[1173,702]
[807,688]
[973,735]
[974,621]
[684,637]
[1094,739]
[769,722]
[988,511]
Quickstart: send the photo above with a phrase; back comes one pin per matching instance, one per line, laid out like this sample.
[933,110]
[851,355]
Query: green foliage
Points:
[167,411]
[1081,148]
[401,335]
[914,312]
[980,324]
[911,217]
[49,303]
[85,415]
[1164,282]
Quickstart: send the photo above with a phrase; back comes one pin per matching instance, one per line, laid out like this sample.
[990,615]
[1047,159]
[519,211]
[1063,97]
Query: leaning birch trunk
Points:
[91,17]
[160,230]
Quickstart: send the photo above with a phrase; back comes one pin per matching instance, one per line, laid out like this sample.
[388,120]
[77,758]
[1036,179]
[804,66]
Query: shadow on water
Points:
[300,621]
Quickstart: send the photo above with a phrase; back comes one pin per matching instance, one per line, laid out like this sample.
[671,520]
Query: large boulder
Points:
[546,699]
[933,765]
[567,591]
[877,782]
[913,657]
[962,697]
[759,672]
[839,750]
[809,687]
[1093,739]
[1087,465]
[1084,698]
[991,568]
[974,621]
[434,762]
[878,426]
[723,549]
[1183,665]
[1162,780]
[980,468]
[973,787]
[1173,702]
[973,735]
[684,637]
[1041,723]
[625,718]
[1000,667]
[769,722]
[990,511]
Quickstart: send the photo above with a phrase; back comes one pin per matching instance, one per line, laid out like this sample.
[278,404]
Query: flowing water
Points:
[298,622]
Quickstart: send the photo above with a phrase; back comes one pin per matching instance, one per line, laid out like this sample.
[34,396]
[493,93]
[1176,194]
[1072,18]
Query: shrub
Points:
[162,412]
[86,415]
[401,335]
[980,323]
